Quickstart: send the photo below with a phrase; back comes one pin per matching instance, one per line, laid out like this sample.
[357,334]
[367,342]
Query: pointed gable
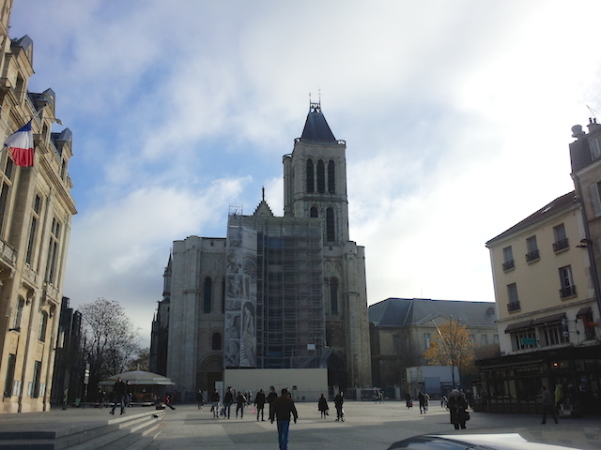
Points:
[316,127]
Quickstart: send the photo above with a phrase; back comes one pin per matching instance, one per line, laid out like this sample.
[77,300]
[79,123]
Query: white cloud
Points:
[457,119]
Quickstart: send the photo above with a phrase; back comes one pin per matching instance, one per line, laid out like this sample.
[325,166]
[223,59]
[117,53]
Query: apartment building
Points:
[547,313]
[36,208]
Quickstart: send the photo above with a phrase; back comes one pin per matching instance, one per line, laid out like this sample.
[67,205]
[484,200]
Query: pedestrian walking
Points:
[548,405]
[338,402]
[271,398]
[199,399]
[408,400]
[119,392]
[215,404]
[458,408]
[423,402]
[322,406]
[283,407]
[228,399]
[240,404]
[260,404]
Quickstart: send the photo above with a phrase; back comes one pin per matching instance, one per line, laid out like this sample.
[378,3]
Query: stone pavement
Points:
[367,426]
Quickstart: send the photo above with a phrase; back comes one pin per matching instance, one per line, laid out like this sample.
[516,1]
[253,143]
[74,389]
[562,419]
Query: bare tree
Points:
[110,339]
[141,360]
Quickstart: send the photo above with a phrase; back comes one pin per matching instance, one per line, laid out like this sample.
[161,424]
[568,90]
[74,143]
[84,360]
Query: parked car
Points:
[497,441]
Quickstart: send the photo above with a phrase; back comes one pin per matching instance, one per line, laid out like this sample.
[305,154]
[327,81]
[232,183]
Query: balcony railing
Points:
[532,256]
[513,306]
[561,245]
[8,254]
[508,265]
[568,291]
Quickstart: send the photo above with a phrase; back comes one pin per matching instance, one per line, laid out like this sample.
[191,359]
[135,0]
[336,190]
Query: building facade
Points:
[278,292]
[548,314]
[403,328]
[35,223]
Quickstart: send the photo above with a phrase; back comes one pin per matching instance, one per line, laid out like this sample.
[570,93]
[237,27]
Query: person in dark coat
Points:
[322,406]
[283,407]
[457,406]
[338,402]
[408,400]
[199,399]
[240,404]
[215,404]
[271,398]
[119,392]
[260,404]
[228,399]
[548,405]
[422,402]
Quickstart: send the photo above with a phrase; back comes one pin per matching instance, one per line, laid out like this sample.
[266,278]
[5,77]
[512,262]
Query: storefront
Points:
[512,383]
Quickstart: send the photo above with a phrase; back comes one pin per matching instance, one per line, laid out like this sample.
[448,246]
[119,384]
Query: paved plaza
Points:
[367,426]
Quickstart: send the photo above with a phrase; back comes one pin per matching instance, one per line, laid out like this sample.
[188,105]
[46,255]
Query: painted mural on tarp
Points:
[240,295]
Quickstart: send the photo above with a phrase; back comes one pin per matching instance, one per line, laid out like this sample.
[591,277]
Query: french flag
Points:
[20,144]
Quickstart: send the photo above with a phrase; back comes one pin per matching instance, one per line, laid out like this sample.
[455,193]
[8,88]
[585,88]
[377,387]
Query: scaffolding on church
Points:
[290,315]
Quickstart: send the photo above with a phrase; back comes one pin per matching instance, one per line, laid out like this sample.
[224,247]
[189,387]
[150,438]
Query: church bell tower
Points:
[315,178]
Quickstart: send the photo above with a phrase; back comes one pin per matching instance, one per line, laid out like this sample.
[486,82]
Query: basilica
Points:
[281,300]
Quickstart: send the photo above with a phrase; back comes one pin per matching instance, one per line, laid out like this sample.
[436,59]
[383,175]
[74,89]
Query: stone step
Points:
[131,430]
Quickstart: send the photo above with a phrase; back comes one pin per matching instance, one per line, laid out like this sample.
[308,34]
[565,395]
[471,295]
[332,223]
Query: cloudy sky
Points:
[457,118]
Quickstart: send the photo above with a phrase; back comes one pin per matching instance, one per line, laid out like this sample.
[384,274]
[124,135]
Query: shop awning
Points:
[587,310]
[518,326]
[548,319]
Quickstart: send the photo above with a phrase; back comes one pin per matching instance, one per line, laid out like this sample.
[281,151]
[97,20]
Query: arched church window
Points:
[206,304]
[216,341]
[314,212]
[332,177]
[310,176]
[321,177]
[330,225]
[334,295]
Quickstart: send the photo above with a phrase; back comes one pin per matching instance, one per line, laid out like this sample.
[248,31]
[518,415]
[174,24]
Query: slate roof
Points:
[401,312]
[556,206]
[316,127]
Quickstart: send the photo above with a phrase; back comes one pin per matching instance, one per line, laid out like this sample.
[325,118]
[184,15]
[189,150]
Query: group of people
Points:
[281,408]
[323,407]
[241,400]
[456,403]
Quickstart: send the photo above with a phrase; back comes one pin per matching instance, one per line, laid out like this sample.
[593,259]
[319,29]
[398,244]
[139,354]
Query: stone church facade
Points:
[278,292]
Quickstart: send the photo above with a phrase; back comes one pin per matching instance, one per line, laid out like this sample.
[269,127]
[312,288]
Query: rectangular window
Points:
[495,338]
[512,295]
[568,289]
[43,326]
[595,190]
[483,340]
[524,339]
[36,207]
[472,338]
[4,193]
[53,250]
[552,334]
[561,239]
[427,341]
[508,262]
[533,254]
[10,375]
[34,390]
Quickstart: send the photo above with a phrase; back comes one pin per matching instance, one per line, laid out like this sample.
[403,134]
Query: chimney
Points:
[593,125]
